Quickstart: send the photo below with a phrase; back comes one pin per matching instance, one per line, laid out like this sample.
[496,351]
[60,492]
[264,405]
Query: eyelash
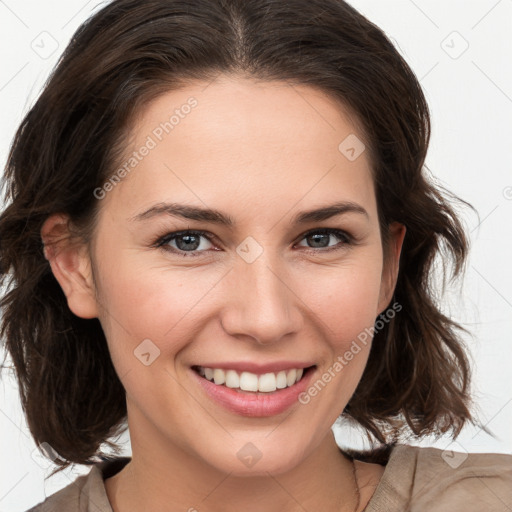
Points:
[162,241]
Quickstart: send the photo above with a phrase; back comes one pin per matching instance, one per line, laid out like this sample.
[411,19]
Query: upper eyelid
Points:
[211,237]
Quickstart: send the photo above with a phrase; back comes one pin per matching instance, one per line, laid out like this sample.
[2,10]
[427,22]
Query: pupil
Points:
[315,239]
[187,243]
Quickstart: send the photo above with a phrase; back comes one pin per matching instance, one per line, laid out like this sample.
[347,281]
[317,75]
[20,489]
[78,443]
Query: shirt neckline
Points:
[389,490]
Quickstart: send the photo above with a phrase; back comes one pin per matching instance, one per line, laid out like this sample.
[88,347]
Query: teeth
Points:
[267,382]
[281,380]
[232,379]
[219,377]
[247,381]
[291,377]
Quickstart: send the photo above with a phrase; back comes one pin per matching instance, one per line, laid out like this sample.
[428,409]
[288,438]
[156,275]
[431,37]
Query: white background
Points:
[470,95]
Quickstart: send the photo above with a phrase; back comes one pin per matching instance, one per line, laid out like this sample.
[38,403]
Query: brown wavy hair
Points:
[417,377]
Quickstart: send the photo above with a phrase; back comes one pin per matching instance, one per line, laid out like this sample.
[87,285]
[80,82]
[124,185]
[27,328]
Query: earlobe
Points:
[71,265]
[391,264]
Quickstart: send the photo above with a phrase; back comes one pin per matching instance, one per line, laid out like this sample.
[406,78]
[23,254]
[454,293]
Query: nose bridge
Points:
[262,304]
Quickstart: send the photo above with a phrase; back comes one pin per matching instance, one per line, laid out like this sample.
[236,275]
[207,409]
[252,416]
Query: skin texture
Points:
[260,152]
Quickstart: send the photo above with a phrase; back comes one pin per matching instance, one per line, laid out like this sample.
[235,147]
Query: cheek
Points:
[344,304]
[345,299]
[161,304]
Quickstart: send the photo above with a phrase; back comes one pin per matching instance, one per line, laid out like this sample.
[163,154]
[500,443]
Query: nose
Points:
[261,303]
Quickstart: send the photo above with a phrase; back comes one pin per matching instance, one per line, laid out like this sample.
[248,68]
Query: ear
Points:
[71,265]
[391,264]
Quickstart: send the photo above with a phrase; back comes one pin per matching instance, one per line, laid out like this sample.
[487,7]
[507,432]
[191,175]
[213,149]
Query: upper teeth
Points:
[248,381]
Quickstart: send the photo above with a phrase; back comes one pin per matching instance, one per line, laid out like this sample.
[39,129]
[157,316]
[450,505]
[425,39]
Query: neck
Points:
[153,480]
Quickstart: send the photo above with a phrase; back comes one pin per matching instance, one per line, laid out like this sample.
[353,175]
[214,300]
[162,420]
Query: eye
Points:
[188,243]
[185,242]
[320,239]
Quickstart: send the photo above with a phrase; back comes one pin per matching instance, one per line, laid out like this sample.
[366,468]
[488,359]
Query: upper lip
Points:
[258,368]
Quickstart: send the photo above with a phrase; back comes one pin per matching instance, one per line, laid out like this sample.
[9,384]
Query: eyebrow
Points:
[217,217]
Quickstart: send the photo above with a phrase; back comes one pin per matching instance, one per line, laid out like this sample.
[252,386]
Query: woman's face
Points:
[259,287]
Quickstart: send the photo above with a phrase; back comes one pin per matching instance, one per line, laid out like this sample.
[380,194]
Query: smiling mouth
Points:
[252,382]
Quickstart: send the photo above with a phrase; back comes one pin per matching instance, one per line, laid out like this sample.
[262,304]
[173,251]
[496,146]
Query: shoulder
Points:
[86,493]
[419,478]
[480,481]
[67,499]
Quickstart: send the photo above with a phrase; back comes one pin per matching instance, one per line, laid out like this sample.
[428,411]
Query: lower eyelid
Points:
[164,241]
[345,239]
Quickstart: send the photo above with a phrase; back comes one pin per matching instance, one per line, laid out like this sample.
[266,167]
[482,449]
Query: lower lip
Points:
[255,404]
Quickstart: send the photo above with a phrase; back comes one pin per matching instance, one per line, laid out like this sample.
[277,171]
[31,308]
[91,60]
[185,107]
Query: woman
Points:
[220,233]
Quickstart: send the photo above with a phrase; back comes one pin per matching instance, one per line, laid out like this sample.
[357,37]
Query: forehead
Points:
[243,142]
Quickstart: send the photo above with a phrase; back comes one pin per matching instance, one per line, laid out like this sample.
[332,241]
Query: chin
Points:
[246,458]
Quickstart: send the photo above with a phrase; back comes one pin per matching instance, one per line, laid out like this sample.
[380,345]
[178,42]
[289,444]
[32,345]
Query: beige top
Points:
[414,480]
